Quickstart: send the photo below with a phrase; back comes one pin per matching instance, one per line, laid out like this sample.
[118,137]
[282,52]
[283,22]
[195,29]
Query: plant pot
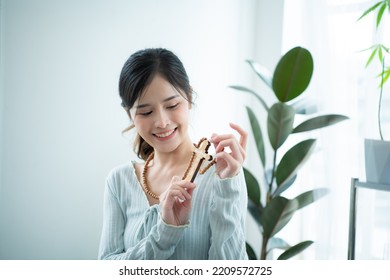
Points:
[377,156]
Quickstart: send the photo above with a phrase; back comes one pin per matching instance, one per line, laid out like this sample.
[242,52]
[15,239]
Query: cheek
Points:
[183,114]
[140,124]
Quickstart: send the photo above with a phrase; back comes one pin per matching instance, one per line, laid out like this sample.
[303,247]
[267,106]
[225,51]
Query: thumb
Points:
[212,140]
[175,179]
[213,135]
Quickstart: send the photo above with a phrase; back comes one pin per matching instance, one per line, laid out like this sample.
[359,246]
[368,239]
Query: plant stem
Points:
[263,253]
[380,100]
[269,193]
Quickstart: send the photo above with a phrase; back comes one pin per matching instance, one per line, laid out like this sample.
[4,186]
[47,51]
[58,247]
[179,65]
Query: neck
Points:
[177,157]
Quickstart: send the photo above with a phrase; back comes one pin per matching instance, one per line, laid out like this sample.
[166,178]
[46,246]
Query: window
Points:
[341,85]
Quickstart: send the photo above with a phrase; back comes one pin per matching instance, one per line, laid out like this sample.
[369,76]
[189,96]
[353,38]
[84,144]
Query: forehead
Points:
[158,90]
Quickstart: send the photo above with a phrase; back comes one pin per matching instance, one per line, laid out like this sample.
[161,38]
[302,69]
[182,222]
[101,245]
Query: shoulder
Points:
[120,175]
[120,171]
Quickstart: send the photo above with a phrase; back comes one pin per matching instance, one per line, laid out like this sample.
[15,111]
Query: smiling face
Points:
[161,116]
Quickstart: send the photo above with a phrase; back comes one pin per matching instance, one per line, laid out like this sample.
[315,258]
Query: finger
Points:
[236,150]
[228,158]
[218,138]
[184,184]
[173,194]
[184,187]
[175,179]
[211,139]
[187,203]
[190,191]
[243,134]
[232,165]
[176,183]
[230,143]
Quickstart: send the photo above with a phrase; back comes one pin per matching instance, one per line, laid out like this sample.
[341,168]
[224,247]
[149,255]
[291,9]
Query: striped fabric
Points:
[132,229]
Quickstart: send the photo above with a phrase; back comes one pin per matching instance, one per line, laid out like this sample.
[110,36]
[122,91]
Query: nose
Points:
[162,119]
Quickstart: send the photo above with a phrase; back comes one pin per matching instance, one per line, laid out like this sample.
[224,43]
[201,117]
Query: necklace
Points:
[144,181]
[151,156]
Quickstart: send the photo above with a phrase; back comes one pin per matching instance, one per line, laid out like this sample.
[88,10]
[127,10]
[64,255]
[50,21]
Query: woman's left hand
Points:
[228,164]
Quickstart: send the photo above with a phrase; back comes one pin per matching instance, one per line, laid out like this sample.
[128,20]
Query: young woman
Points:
[149,211]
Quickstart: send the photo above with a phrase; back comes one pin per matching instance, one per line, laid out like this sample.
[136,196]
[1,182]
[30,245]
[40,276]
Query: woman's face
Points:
[161,116]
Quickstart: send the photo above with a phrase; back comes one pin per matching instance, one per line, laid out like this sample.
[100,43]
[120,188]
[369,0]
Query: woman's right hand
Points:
[176,202]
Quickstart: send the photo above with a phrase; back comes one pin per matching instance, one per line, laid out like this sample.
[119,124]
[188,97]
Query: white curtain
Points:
[340,85]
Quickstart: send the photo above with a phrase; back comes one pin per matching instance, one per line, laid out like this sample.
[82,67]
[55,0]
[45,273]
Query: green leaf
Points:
[262,72]
[251,253]
[294,250]
[371,57]
[247,90]
[380,14]
[378,49]
[369,10]
[277,214]
[293,159]
[256,213]
[319,122]
[309,197]
[370,48]
[386,75]
[284,186]
[280,123]
[253,187]
[277,243]
[380,54]
[257,134]
[292,74]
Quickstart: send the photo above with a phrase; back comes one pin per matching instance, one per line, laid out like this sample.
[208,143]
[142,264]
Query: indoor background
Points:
[61,121]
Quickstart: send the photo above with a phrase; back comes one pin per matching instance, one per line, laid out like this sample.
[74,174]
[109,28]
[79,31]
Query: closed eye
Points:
[145,113]
[173,106]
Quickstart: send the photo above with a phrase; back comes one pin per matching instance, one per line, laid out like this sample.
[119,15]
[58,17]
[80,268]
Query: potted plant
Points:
[377,152]
[267,205]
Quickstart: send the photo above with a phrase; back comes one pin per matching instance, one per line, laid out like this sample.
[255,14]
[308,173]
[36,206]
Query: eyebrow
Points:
[165,100]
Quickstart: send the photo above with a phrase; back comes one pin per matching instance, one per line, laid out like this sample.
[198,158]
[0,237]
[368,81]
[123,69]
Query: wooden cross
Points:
[199,154]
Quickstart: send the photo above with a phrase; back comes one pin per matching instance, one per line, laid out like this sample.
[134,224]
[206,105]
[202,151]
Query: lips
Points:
[165,134]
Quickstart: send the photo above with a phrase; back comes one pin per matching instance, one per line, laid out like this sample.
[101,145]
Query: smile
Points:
[165,134]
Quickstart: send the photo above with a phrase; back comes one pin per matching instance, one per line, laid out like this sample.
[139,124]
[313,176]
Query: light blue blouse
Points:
[132,229]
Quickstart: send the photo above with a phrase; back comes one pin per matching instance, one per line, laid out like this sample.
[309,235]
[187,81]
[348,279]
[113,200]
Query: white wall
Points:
[61,118]
[267,40]
[1,97]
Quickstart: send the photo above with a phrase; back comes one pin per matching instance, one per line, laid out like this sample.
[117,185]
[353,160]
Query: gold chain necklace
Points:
[144,181]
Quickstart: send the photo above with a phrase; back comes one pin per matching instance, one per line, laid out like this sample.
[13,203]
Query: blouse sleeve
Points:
[155,238]
[227,218]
